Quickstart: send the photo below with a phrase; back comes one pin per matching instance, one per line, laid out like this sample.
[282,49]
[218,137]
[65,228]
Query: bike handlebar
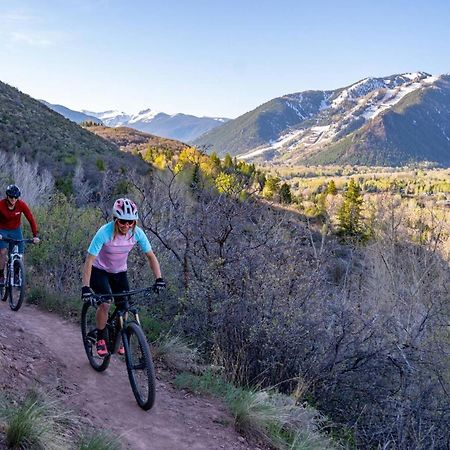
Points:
[106,298]
[28,241]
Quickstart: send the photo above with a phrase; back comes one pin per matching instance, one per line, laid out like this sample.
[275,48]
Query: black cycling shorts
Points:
[103,282]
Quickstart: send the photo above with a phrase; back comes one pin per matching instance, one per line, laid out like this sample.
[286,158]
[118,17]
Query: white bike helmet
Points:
[125,209]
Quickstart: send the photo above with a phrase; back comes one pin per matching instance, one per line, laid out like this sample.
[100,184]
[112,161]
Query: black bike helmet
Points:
[13,191]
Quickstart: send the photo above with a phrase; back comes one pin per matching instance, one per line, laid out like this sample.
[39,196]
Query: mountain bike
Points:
[13,287]
[122,325]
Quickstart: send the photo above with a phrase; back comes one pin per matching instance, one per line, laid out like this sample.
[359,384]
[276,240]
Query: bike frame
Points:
[13,255]
[118,318]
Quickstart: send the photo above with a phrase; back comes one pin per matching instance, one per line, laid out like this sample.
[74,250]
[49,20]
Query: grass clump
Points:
[176,353]
[36,423]
[264,415]
[99,441]
[65,305]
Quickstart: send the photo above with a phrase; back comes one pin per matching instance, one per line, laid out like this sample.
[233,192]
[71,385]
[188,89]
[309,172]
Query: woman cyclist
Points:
[105,268]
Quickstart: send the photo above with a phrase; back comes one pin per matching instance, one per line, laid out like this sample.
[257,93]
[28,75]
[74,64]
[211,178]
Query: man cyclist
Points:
[105,268]
[11,209]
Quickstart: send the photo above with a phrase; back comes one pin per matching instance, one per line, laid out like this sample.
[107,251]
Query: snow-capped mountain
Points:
[182,127]
[110,118]
[354,124]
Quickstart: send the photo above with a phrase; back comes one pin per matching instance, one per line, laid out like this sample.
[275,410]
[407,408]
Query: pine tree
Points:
[227,162]
[196,178]
[215,161]
[331,188]
[285,194]
[271,187]
[349,215]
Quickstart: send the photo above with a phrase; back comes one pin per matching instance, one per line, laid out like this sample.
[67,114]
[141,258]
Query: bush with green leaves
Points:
[65,233]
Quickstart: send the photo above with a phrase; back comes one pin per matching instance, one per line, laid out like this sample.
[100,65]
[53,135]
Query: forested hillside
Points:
[263,124]
[390,121]
[415,130]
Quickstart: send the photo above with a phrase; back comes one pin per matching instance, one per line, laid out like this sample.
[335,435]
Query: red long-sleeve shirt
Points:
[10,218]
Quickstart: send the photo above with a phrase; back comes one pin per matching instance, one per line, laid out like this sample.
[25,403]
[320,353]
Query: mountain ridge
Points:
[312,127]
[179,126]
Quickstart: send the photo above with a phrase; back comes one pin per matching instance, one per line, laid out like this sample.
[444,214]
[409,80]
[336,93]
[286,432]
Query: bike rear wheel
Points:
[16,289]
[89,335]
[141,371]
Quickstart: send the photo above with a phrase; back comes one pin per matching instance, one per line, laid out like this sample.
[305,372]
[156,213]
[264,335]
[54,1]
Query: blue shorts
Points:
[12,234]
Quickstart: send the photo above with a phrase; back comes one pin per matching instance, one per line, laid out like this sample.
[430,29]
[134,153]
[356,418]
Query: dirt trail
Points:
[39,348]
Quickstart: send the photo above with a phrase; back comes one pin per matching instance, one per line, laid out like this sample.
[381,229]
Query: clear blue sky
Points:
[211,58]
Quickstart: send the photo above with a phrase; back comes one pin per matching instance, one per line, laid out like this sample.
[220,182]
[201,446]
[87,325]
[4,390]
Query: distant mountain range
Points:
[74,116]
[395,120]
[182,127]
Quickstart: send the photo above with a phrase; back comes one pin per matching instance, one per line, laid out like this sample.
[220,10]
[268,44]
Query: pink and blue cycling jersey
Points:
[112,254]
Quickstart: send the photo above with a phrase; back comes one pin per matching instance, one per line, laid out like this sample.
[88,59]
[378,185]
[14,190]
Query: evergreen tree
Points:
[227,162]
[349,215]
[215,161]
[331,188]
[196,178]
[271,187]
[261,179]
[285,194]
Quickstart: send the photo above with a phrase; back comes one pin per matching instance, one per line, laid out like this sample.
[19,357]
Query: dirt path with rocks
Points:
[41,349]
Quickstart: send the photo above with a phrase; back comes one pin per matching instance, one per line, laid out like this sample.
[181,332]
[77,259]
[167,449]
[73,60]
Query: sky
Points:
[211,58]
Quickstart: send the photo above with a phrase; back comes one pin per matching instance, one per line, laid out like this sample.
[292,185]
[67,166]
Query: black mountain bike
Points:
[13,288]
[122,325]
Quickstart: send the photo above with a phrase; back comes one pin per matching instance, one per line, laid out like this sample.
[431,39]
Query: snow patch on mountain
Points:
[393,96]
[147,115]
[283,141]
[342,112]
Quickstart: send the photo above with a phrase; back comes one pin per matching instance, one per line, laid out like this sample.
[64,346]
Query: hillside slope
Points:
[30,129]
[394,120]
[264,124]
[31,356]
[129,139]
[416,129]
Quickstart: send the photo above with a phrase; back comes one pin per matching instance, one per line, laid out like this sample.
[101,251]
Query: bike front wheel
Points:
[141,371]
[16,289]
[3,293]
[89,335]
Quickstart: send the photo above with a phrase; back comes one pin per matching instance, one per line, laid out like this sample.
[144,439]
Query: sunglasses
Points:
[12,196]
[126,222]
